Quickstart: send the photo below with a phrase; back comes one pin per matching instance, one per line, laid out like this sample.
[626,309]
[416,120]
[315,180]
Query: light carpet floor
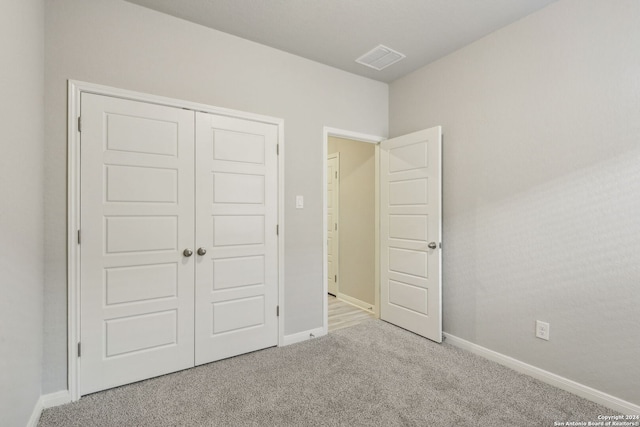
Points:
[373,374]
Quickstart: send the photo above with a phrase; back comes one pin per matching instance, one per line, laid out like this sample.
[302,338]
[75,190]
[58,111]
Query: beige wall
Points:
[542,188]
[357,218]
[115,43]
[21,208]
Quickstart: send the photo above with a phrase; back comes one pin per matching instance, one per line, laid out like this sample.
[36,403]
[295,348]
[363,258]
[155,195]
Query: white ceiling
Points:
[336,32]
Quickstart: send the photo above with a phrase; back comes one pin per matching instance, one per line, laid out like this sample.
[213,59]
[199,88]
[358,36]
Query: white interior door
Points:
[236,220]
[410,232]
[137,195]
[156,181]
[333,200]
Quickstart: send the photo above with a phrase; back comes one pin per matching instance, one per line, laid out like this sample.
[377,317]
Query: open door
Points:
[410,232]
[333,200]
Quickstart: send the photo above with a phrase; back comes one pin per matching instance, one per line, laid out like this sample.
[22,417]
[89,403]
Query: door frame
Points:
[74,91]
[336,234]
[362,137]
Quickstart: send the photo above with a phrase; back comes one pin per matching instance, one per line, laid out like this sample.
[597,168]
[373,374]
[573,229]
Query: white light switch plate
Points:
[299,202]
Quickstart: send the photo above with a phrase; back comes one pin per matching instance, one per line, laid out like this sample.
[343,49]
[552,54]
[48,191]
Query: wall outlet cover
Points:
[542,330]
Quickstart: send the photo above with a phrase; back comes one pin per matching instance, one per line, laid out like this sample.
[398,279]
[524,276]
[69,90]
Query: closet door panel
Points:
[236,217]
[137,198]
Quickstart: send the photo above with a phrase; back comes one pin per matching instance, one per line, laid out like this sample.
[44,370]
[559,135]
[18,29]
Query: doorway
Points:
[408,229]
[351,225]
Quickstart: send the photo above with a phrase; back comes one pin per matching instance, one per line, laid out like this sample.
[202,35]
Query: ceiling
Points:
[336,32]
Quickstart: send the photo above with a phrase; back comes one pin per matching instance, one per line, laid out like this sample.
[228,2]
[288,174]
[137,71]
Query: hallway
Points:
[343,315]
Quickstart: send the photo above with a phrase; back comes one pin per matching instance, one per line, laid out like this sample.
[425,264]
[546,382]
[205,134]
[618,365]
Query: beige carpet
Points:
[373,374]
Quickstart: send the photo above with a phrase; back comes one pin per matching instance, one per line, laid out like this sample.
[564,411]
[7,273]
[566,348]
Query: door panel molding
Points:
[74,91]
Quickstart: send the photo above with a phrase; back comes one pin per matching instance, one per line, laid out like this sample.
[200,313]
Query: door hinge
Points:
[335,278]
[78,236]
[335,226]
[336,174]
[277,149]
[79,124]
[277,311]
[277,229]
[79,349]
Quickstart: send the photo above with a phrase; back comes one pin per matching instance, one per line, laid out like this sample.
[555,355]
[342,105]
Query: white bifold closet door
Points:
[150,189]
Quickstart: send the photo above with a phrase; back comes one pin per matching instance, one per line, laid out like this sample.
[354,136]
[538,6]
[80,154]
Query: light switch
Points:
[299,202]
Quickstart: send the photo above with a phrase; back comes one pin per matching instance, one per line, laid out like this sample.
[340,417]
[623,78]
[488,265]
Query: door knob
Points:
[187,252]
[432,245]
[202,251]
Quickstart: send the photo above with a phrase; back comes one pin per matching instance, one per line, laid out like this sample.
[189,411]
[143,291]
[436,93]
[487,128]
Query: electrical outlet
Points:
[542,330]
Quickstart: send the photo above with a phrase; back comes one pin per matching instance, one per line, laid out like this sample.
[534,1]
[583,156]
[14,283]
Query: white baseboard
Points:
[354,301]
[48,401]
[35,414]
[303,336]
[56,399]
[571,386]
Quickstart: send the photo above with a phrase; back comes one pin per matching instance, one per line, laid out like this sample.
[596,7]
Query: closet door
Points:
[137,198]
[236,218]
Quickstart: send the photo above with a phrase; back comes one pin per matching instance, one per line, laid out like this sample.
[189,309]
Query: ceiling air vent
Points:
[380,57]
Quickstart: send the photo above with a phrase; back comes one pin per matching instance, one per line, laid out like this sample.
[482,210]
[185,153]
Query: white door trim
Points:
[372,139]
[75,89]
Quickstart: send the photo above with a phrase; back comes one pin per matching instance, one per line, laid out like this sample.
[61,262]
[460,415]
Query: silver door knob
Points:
[432,245]
[187,252]
[202,251]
